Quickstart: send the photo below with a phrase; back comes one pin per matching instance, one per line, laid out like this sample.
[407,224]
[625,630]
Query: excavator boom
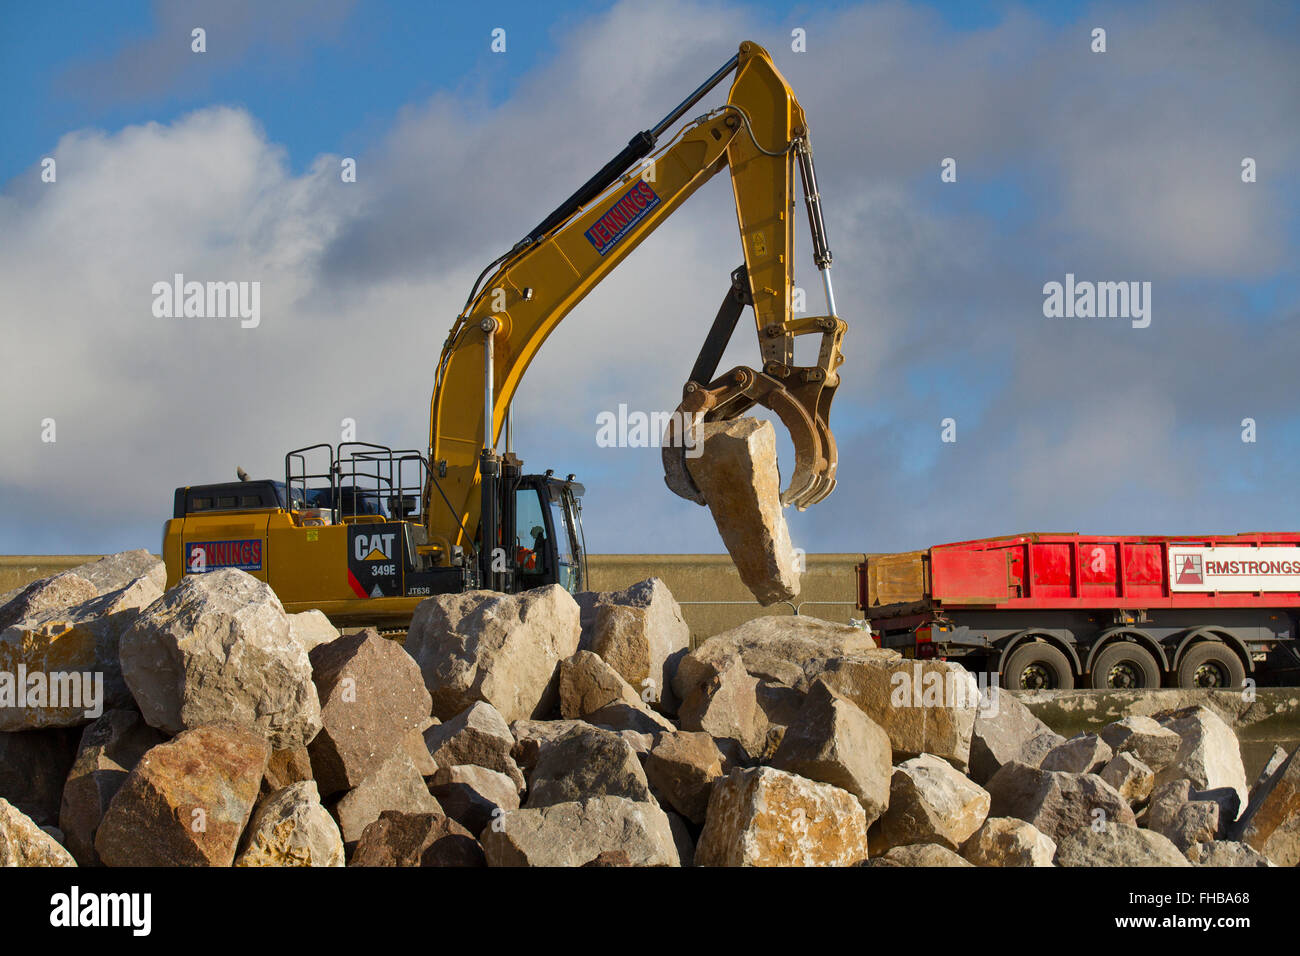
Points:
[761,135]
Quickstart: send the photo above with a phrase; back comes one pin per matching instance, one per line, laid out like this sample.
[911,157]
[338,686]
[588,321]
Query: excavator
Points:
[364,532]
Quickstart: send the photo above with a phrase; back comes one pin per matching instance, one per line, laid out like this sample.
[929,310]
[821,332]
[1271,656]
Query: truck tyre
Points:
[1037,666]
[1210,664]
[1125,665]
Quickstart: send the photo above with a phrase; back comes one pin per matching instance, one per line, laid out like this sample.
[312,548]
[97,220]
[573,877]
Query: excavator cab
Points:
[548,547]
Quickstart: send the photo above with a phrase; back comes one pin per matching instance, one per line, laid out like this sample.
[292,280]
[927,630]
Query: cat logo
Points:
[373,547]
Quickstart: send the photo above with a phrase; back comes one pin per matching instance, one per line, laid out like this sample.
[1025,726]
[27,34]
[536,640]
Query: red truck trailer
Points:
[1105,611]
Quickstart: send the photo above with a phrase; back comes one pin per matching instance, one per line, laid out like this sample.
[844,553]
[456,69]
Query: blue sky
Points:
[1119,166]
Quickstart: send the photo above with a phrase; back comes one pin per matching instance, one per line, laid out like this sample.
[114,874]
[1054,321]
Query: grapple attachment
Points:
[799,395]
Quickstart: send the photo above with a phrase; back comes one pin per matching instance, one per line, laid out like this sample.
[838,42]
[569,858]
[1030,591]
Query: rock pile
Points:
[543,730]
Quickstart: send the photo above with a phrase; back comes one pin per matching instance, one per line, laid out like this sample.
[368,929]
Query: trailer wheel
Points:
[1210,664]
[1125,665]
[1037,666]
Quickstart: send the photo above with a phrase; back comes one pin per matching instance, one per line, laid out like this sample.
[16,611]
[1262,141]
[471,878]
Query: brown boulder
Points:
[187,801]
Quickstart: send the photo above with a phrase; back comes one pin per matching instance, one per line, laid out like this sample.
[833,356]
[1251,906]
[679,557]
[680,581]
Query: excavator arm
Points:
[761,135]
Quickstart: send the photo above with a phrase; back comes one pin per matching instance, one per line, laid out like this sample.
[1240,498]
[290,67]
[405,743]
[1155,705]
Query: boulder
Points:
[930,802]
[1039,746]
[640,632]
[1130,776]
[395,785]
[291,828]
[624,718]
[1226,853]
[793,651]
[726,706]
[413,743]
[1271,824]
[572,834]
[1055,802]
[833,741]
[75,650]
[34,767]
[1006,841]
[288,766]
[1082,753]
[918,854]
[311,629]
[1117,844]
[216,648]
[23,843]
[504,649]
[737,476]
[1002,734]
[109,750]
[473,796]
[926,707]
[588,682]
[416,839]
[682,768]
[478,736]
[1177,813]
[187,801]
[372,698]
[55,593]
[1154,745]
[530,735]
[115,571]
[766,817]
[584,763]
[1209,756]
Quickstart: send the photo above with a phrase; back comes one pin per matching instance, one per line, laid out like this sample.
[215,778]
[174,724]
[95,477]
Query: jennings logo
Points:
[632,207]
[204,556]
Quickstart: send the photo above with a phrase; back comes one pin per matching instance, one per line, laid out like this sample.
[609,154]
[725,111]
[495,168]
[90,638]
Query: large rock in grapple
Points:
[217,649]
[504,649]
[187,801]
[640,632]
[737,476]
[573,834]
[372,697]
[766,817]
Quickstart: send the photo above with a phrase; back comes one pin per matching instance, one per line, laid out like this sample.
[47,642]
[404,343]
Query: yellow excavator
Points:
[364,532]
